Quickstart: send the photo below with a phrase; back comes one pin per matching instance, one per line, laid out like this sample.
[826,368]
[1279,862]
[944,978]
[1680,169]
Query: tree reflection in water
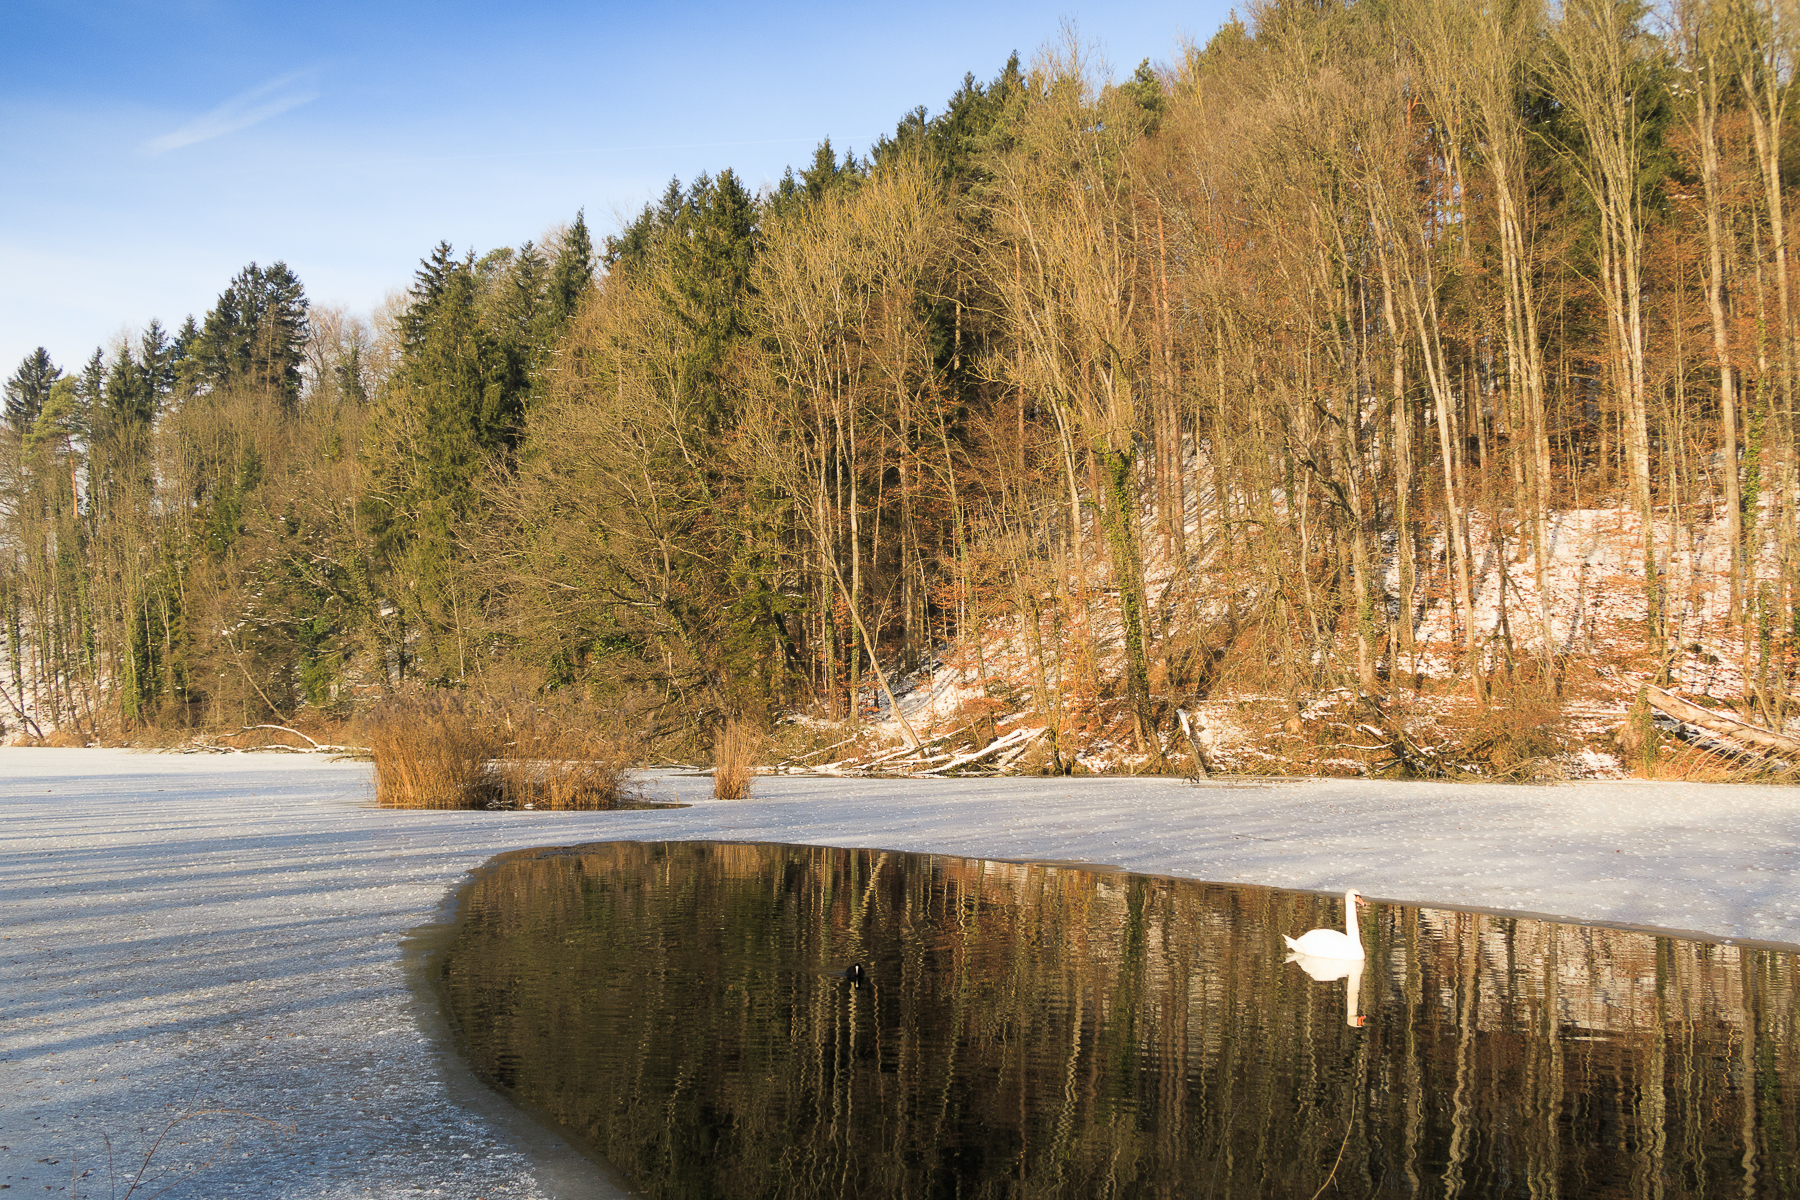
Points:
[1034,1030]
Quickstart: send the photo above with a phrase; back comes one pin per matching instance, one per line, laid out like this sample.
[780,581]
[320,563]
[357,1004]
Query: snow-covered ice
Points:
[197,932]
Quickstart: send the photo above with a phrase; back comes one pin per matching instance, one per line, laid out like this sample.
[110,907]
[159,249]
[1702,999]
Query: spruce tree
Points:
[92,385]
[188,371]
[349,374]
[711,245]
[825,176]
[430,281]
[572,276]
[634,243]
[255,336]
[128,401]
[158,356]
[29,389]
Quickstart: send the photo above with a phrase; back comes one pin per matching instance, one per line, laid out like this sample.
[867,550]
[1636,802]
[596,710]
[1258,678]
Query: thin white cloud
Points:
[240,112]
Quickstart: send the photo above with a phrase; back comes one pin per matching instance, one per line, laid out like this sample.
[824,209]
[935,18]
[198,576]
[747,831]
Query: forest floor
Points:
[1591,611]
[243,935]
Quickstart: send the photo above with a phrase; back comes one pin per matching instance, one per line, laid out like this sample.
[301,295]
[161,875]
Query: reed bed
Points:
[461,750]
[734,760]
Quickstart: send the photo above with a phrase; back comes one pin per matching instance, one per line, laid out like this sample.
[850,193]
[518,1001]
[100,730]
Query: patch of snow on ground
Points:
[186,932]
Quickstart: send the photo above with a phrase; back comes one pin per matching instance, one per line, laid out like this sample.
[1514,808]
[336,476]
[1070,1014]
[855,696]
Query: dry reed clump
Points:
[556,758]
[432,750]
[734,761]
[467,750]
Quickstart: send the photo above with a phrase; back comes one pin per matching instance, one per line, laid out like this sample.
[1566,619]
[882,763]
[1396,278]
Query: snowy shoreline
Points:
[232,932]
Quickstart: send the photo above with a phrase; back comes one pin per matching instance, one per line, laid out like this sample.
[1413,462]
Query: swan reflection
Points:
[1347,969]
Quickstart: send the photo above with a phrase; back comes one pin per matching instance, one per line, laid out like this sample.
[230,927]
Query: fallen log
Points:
[1014,738]
[1190,729]
[1723,724]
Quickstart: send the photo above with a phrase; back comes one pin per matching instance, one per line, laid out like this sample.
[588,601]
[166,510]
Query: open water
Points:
[1046,1030]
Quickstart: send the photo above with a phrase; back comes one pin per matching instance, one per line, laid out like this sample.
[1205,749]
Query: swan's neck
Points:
[1350,929]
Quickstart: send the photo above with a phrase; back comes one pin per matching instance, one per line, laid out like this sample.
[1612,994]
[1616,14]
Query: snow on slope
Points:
[1593,592]
[202,932]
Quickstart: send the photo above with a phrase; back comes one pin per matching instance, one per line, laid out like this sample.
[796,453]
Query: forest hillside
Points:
[1404,386]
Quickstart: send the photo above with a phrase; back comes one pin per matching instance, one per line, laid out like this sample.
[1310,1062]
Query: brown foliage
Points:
[467,750]
[734,761]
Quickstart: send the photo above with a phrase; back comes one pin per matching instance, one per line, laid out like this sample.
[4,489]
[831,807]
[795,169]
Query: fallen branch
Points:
[1190,729]
[1014,738]
[1407,753]
[794,758]
[1722,724]
[879,758]
[285,729]
[1004,763]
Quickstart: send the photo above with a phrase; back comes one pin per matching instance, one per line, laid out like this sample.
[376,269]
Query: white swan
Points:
[1330,943]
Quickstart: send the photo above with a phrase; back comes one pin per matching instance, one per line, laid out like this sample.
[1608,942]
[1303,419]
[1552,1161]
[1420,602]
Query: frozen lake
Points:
[194,932]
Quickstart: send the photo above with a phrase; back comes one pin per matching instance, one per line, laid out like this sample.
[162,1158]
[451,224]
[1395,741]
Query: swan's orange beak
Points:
[1361,903]
[1359,1022]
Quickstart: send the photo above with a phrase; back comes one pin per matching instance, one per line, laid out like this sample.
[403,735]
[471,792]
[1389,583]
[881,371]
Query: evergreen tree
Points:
[92,384]
[513,299]
[572,276]
[957,138]
[430,281]
[827,174]
[350,372]
[824,176]
[711,244]
[29,389]
[59,420]
[159,357]
[633,244]
[128,401]
[454,406]
[255,336]
[1146,90]
[185,359]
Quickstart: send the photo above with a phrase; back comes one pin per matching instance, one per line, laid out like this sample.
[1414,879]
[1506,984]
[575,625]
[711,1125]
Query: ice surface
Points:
[197,932]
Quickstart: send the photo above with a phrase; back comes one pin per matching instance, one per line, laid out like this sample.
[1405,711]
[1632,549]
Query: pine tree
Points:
[59,420]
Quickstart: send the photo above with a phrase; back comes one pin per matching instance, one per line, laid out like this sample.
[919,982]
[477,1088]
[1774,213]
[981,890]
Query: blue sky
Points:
[150,150]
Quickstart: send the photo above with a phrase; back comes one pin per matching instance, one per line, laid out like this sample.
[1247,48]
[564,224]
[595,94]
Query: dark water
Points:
[1031,1030]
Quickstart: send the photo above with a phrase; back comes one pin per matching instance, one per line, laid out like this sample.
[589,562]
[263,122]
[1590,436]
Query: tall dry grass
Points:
[432,750]
[734,760]
[472,750]
[556,759]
